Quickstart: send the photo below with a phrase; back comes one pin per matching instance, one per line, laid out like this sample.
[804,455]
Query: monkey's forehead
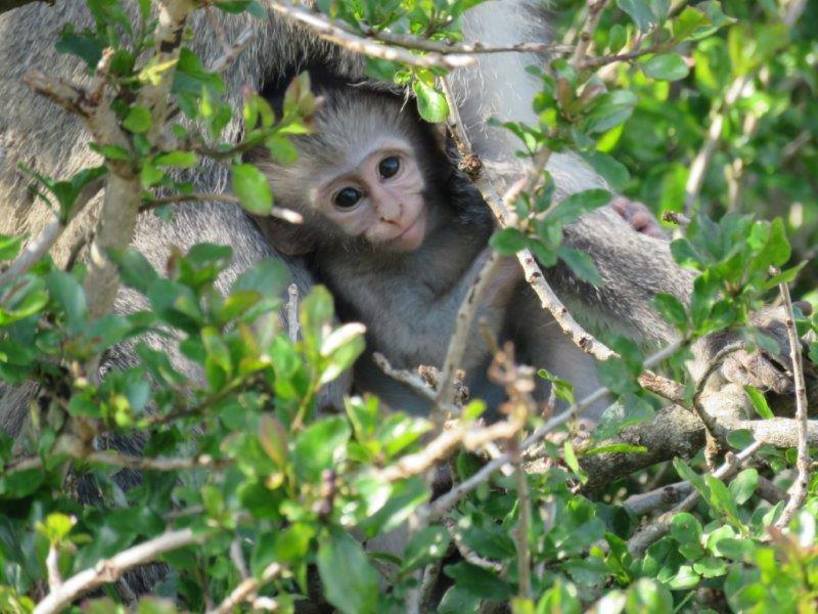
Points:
[352,134]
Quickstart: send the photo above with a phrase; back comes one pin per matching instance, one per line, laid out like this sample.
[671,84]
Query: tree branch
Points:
[110,570]
[347,39]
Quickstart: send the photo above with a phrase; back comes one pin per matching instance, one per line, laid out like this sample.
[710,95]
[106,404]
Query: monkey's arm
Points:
[410,315]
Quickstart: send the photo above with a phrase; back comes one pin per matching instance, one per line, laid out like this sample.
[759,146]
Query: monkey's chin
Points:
[411,238]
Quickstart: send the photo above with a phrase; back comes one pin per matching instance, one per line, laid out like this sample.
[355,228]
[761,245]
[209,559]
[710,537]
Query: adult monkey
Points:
[36,132]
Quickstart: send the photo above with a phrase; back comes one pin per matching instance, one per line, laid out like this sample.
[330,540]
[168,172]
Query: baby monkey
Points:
[398,234]
[391,227]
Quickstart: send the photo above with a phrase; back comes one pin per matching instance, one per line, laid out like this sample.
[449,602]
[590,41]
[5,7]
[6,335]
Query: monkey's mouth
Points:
[412,236]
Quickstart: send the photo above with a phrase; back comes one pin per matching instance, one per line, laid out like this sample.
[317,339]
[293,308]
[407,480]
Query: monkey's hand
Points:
[640,218]
[767,370]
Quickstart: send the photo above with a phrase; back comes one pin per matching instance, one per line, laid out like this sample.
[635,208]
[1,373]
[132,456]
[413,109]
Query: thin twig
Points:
[523,523]
[467,553]
[408,41]
[469,436]
[463,326]
[52,565]
[244,39]
[237,557]
[586,33]
[247,588]
[440,506]
[106,571]
[343,37]
[798,491]
[663,497]
[533,274]
[292,312]
[212,197]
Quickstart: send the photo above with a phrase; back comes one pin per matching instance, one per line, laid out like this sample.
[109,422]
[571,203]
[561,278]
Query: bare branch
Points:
[441,447]
[342,36]
[586,33]
[121,203]
[246,590]
[520,532]
[463,326]
[444,503]
[242,41]
[645,503]
[467,553]
[288,215]
[110,570]
[52,561]
[292,312]
[408,41]
[533,274]
[798,491]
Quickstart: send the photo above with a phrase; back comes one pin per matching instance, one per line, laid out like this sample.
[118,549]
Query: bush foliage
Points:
[240,466]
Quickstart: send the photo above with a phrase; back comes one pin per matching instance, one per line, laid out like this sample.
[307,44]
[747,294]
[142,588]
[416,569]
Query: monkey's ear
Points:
[289,239]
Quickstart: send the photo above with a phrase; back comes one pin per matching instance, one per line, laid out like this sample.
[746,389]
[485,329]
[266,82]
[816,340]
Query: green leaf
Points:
[69,295]
[138,120]
[744,485]
[639,11]
[479,582]
[281,149]
[350,582]
[671,309]
[508,241]
[609,110]
[432,105]
[577,204]
[85,46]
[10,246]
[177,159]
[647,595]
[710,567]
[759,402]
[134,269]
[685,528]
[616,448]
[427,545]
[581,264]
[612,170]
[319,446]
[252,189]
[667,67]
[342,347]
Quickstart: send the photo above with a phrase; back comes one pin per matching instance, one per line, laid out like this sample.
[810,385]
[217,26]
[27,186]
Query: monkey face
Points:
[378,197]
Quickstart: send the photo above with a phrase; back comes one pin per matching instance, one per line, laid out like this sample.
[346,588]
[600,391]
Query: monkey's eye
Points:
[389,167]
[347,198]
